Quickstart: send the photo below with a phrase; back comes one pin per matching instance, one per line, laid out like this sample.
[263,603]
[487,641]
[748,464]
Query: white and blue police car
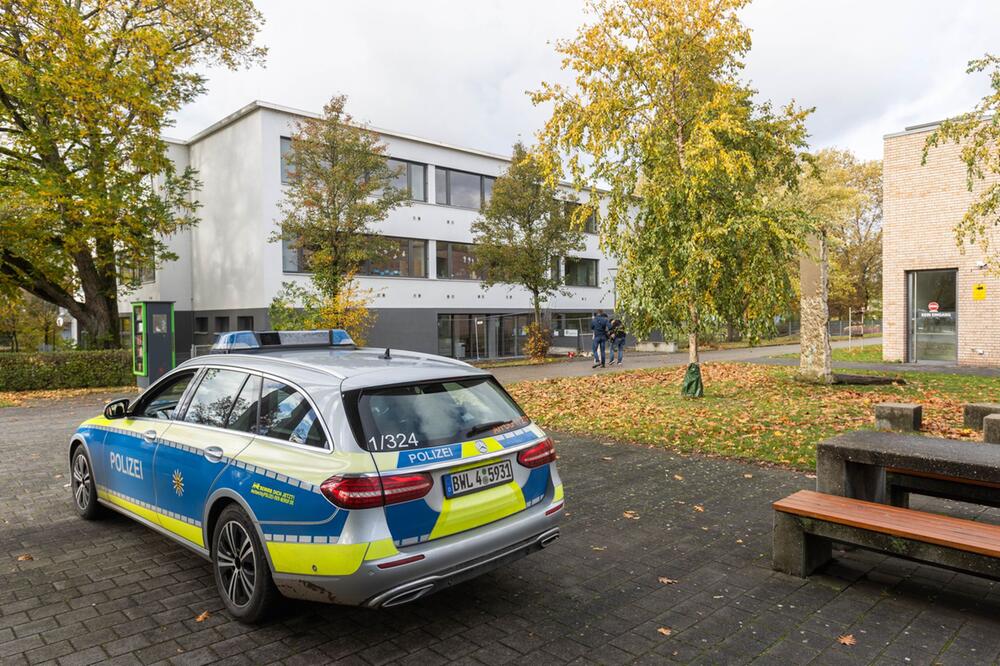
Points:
[300,464]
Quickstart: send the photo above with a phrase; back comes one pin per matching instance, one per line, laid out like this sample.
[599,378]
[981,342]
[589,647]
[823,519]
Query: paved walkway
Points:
[688,582]
[965,370]
[634,360]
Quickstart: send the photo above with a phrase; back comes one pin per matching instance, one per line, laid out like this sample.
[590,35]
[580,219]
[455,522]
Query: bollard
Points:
[974,413]
[991,429]
[902,416]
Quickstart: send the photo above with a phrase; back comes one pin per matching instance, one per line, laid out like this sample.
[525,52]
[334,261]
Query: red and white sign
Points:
[932,306]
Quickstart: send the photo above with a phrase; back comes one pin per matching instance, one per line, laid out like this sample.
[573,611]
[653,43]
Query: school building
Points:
[940,304]
[425,294]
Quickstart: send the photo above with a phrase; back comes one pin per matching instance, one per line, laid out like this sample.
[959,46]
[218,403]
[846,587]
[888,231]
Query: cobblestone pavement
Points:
[114,591]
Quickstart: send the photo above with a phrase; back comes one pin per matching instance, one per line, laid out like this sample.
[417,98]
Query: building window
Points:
[590,224]
[454,261]
[144,273]
[286,170]
[222,324]
[200,325]
[581,272]
[410,177]
[462,189]
[244,323]
[294,260]
[407,257]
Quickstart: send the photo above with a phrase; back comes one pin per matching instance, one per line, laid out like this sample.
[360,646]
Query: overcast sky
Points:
[457,70]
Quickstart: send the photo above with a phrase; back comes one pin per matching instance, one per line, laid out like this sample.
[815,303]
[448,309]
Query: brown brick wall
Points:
[922,204]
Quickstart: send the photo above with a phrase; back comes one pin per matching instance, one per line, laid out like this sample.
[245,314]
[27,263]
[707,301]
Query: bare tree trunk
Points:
[693,352]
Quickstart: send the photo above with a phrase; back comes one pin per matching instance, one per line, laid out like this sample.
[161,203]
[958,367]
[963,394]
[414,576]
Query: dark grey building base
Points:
[802,545]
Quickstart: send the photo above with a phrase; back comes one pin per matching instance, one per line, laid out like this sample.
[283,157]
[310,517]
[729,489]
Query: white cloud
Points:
[457,71]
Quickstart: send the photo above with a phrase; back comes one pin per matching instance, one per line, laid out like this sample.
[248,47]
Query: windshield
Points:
[436,413]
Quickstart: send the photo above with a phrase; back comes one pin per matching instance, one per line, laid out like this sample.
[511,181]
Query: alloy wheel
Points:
[82,481]
[236,563]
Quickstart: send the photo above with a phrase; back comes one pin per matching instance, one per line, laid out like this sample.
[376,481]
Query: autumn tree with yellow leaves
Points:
[658,114]
[86,187]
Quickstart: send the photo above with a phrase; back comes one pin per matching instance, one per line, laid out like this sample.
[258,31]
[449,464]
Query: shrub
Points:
[74,369]
[538,341]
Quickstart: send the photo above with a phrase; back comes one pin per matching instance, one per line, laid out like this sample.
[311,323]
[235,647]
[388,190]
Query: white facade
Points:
[228,269]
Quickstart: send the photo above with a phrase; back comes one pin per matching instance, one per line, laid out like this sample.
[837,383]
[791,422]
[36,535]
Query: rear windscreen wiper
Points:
[483,427]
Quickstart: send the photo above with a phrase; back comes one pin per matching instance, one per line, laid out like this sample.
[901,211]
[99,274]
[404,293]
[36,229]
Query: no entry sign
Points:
[932,306]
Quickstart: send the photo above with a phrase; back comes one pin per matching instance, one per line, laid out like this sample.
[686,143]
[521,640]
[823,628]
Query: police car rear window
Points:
[399,418]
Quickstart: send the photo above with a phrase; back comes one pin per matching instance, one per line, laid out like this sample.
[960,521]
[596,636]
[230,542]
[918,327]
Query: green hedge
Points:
[73,369]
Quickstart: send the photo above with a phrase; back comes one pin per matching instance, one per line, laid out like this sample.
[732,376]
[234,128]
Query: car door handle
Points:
[149,436]
[213,454]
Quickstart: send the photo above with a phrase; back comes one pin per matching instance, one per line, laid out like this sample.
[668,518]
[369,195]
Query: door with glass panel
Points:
[933,316]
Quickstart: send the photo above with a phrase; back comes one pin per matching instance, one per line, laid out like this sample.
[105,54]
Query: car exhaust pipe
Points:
[547,539]
[408,596]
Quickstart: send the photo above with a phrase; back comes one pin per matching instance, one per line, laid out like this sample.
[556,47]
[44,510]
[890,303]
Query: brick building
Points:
[940,304]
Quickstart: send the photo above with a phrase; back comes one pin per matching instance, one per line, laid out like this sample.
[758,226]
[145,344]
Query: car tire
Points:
[83,484]
[242,574]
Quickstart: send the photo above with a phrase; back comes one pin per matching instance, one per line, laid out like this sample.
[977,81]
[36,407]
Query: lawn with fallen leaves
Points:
[752,412]
[19,398]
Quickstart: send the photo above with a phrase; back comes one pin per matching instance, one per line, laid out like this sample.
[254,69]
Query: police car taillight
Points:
[538,455]
[367,492]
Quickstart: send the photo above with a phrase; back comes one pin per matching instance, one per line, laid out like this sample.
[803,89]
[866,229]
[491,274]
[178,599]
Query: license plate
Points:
[471,480]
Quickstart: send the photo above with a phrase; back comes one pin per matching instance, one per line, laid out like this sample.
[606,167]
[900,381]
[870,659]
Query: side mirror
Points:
[116,409]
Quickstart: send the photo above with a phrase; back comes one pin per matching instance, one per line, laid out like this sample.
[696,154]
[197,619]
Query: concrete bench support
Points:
[900,416]
[795,551]
[974,413]
[991,429]
[801,554]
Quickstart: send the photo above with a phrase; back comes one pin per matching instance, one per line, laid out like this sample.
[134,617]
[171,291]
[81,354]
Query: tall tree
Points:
[340,186]
[525,230]
[659,114]
[826,197]
[978,133]
[86,187]
[856,243]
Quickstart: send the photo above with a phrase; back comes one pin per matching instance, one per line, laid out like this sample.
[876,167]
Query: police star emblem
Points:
[178,481]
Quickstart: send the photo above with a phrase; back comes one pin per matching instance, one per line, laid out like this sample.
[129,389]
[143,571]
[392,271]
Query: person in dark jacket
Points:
[599,325]
[616,336]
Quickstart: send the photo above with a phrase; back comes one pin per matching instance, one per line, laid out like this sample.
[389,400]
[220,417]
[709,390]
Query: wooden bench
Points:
[806,522]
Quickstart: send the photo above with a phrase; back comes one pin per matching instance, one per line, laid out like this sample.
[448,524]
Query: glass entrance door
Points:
[933,325]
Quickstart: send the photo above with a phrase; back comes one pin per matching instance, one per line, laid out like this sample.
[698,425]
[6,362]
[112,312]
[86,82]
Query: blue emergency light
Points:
[259,341]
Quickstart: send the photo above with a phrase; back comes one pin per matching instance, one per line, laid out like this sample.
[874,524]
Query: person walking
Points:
[599,325]
[616,336]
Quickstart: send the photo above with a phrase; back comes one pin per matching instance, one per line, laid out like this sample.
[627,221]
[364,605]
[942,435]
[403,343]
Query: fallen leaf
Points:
[739,541]
[847,639]
[678,477]
[666,631]
[598,547]
[667,581]
[810,476]
[699,508]
[202,617]
[748,476]
[24,558]
[608,458]
[631,515]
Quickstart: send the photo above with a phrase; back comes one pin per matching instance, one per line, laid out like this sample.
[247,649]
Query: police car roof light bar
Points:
[260,341]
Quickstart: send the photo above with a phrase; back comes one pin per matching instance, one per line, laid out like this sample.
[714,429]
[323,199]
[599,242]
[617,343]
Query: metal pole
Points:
[850,326]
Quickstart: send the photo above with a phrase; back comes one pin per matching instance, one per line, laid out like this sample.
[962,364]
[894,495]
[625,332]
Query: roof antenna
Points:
[387,356]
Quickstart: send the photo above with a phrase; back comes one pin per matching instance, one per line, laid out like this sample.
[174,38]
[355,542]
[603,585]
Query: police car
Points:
[302,465]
